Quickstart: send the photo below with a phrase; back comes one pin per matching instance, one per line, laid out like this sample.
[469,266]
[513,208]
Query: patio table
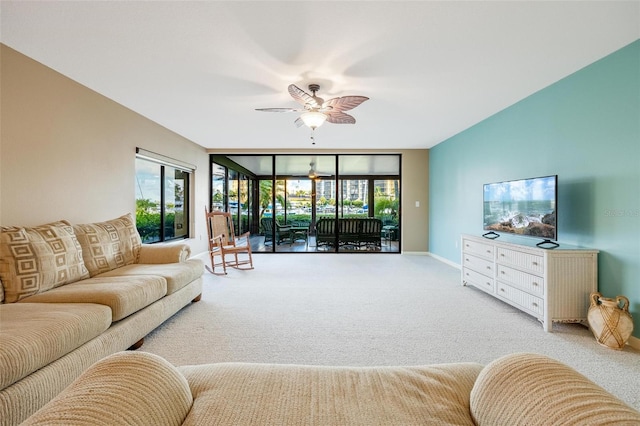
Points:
[300,233]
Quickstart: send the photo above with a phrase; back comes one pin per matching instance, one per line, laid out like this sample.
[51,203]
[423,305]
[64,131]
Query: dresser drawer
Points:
[485,267]
[478,248]
[529,262]
[549,284]
[528,282]
[478,280]
[523,300]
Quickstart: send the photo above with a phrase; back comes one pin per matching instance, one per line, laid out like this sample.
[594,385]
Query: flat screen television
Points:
[526,207]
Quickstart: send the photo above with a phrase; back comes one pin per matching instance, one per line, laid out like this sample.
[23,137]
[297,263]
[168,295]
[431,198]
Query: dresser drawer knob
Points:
[489,267]
[535,284]
[502,290]
[535,305]
[535,263]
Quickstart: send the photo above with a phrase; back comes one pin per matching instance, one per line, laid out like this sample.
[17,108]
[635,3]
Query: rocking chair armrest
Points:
[217,239]
[244,239]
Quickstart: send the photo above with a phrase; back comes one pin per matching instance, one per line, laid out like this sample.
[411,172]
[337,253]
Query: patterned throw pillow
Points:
[109,245]
[36,259]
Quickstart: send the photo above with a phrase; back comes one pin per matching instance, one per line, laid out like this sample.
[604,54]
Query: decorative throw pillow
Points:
[36,259]
[109,245]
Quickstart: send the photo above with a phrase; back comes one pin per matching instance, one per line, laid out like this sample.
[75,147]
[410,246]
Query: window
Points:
[275,199]
[232,191]
[162,197]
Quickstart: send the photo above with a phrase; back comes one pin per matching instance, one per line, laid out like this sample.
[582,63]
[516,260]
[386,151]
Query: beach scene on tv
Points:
[523,207]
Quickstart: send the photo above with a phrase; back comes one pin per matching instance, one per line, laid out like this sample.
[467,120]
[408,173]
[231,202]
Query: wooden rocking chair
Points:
[223,242]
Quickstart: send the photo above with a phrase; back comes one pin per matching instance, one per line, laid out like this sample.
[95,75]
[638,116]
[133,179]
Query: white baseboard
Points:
[416,253]
[444,260]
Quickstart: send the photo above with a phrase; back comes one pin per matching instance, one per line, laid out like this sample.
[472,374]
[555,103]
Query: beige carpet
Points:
[371,309]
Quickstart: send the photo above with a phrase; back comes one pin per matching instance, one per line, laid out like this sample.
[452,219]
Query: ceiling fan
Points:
[316,110]
[313,173]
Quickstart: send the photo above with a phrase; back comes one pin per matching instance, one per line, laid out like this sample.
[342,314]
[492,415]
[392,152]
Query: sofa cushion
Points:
[534,390]
[177,275]
[39,258]
[33,335]
[109,245]
[124,295]
[239,393]
[133,388]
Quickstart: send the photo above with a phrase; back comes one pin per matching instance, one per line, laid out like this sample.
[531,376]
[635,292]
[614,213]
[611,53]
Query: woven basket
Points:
[610,320]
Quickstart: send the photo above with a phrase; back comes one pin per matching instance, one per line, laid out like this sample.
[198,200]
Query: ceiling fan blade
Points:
[302,97]
[298,122]
[315,175]
[344,103]
[280,110]
[338,117]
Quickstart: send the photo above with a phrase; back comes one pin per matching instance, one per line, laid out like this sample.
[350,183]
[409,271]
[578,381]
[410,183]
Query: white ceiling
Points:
[430,68]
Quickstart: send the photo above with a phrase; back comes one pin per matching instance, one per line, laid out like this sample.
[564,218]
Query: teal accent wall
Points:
[586,129]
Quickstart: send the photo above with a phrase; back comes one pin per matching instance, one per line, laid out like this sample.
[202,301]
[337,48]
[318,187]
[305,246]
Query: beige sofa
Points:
[137,388]
[73,294]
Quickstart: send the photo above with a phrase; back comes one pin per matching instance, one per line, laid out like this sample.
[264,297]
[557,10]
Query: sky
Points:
[534,189]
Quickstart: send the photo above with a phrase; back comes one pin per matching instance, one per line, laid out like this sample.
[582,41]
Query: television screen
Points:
[523,207]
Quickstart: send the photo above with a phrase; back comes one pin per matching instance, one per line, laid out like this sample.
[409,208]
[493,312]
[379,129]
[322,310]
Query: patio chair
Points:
[349,232]
[283,232]
[223,242]
[371,233]
[325,233]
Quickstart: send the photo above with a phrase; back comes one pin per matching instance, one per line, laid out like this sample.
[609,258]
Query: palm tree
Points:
[266,194]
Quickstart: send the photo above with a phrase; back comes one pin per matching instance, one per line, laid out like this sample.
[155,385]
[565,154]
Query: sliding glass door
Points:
[302,202]
[386,202]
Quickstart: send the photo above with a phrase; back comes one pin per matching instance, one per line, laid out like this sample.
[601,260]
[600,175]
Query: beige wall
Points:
[415,188]
[67,152]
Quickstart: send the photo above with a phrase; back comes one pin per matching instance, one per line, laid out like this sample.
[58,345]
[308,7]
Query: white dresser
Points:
[553,285]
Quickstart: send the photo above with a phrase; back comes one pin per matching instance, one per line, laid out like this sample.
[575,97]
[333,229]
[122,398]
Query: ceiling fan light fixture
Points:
[313,119]
[312,171]
[316,110]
